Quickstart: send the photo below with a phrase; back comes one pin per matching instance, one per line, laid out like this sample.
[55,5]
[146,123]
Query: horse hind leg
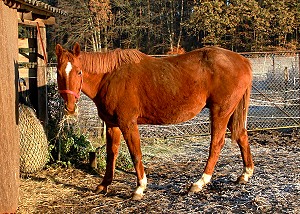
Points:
[240,135]
[218,129]
[242,140]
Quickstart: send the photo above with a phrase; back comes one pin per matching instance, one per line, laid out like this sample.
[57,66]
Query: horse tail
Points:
[238,120]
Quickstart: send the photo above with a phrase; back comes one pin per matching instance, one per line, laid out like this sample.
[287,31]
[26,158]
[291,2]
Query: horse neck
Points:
[96,65]
[91,75]
[91,84]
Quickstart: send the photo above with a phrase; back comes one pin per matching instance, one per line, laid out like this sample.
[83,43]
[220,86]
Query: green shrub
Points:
[75,147]
[68,145]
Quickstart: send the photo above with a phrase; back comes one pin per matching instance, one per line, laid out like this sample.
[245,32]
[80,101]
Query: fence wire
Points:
[275,101]
[275,96]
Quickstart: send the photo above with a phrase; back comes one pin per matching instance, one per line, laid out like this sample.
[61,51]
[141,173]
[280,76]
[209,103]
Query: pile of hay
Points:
[33,141]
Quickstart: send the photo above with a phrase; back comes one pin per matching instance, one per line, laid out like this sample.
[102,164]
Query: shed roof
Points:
[34,6]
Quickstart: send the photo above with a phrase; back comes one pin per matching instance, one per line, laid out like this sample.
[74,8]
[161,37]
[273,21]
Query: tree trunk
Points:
[180,25]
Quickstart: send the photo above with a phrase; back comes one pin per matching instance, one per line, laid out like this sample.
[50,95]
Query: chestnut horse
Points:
[131,88]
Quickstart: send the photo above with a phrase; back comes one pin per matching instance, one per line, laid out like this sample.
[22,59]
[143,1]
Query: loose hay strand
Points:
[66,120]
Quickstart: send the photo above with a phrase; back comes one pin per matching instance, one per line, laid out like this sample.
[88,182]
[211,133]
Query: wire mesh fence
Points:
[275,101]
[275,96]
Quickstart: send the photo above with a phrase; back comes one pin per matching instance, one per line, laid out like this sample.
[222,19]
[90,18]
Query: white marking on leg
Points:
[247,173]
[246,118]
[142,186]
[245,125]
[205,179]
[68,68]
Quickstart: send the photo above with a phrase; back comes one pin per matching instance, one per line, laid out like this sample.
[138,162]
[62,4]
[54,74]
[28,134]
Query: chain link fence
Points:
[275,101]
[275,97]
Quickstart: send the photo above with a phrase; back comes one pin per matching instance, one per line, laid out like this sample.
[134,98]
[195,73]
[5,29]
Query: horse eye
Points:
[80,72]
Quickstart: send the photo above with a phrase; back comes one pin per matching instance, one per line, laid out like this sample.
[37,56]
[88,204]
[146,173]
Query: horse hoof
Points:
[194,189]
[137,197]
[241,180]
[101,189]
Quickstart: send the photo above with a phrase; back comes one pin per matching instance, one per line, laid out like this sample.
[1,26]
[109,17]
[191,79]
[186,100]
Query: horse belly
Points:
[172,113]
[166,103]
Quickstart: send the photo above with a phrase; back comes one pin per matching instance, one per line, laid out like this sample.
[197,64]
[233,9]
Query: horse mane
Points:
[97,62]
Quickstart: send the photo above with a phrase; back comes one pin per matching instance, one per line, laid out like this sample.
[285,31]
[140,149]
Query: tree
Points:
[100,23]
[76,26]
[282,20]
[87,22]
[250,26]
[158,26]
[210,21]
[245,25]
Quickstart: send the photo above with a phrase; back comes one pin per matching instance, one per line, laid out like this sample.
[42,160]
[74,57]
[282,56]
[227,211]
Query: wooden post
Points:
[42,73]
[9,134]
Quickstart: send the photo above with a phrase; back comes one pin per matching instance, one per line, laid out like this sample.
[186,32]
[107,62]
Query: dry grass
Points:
[274,188]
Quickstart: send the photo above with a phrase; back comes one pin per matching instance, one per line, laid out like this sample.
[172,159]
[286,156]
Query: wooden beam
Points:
[9,134]
[24,17]
[27,73]
[49,21]
[42,76]
[31,23]
[36,10]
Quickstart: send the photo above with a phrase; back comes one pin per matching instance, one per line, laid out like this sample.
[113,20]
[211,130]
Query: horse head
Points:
[69,76]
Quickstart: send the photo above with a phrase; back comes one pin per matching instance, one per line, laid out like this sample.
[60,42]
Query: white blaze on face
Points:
[68,68]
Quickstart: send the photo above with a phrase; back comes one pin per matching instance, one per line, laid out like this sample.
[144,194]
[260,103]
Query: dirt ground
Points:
[274,188]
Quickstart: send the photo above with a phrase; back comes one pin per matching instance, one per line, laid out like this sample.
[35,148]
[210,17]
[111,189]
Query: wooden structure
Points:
[32,57]
[15,13]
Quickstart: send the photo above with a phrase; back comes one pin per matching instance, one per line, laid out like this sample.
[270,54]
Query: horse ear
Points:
[76,49]
[58,50]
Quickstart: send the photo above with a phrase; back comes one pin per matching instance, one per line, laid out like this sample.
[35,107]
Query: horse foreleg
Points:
[113,139]
[131,135]
[218,128]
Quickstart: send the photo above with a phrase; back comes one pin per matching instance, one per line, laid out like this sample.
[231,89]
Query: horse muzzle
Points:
[70,107]
[71,111]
